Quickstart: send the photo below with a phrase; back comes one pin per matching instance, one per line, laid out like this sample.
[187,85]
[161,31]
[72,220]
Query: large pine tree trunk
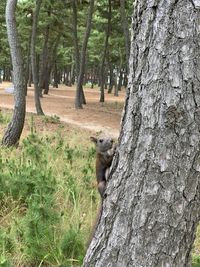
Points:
[152,207]
[15,127]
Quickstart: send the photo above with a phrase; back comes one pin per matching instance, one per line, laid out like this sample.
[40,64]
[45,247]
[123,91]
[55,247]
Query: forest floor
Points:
[95,116]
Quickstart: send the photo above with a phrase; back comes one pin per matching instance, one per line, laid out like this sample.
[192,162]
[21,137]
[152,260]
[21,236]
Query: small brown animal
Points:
[105,150]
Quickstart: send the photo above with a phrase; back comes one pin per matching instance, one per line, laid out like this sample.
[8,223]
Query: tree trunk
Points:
[111,74]
[52,65]
[80,93]
[79,89]
[44,58]
[55,76]
[15,127]
[152,206]
[75,37]
[119,85]
[102,72]
[116,84]
[27,70]
[125,80]
[29,75]
[72,79]
[125,27]
[33,59]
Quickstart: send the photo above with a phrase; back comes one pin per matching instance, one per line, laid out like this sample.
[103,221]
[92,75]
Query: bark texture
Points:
[15,127]
[152,206]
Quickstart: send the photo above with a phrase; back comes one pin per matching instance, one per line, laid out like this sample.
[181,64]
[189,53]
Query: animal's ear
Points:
[93,139]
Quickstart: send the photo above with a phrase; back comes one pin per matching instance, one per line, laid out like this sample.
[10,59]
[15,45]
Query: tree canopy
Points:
[55,19]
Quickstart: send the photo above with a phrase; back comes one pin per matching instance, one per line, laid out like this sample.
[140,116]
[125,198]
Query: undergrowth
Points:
[48,201]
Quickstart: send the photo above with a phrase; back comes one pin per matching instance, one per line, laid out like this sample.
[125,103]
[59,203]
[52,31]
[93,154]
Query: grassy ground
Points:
[48,196]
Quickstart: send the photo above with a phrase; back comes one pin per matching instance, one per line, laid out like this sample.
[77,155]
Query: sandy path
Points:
[94,116]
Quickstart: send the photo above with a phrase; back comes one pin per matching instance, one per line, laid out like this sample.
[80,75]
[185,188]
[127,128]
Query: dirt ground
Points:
[94,116]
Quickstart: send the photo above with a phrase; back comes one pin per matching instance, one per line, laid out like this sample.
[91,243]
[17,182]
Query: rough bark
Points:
[79,91]
[102,73]
[15,127]
[33,59]
[152,206]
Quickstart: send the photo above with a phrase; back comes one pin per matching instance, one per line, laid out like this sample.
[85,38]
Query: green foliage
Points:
[72,244]
[56,18]
[51,119]
[196,261]
[4,117]
[46,199]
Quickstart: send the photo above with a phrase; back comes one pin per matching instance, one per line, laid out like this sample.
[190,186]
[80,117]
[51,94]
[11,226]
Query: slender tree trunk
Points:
[53,66]
[29,75]
[102,72]
[125,80]
[55,76]
[152,206]
[116,85]
[111,75]
[4,71]
[28,63]
[85,70]
[72,79]
[79,89]
[119,85]
[76,50]
[125,27]
[33,58]
[15,127]
[75,37]
[44,59]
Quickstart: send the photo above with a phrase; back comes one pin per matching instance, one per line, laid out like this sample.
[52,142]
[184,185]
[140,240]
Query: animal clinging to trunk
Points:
[105,149]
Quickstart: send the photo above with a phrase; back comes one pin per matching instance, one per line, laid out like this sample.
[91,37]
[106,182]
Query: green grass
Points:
[195,261]
[48,198]
[4,117]
[51,119]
